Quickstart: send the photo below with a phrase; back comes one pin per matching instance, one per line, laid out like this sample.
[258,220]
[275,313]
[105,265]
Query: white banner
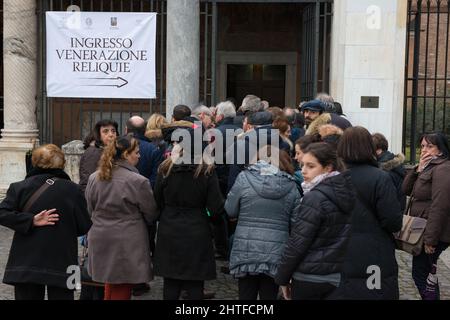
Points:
[101,54]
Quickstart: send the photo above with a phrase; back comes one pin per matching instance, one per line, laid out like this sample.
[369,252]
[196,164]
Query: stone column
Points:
[20,82]
[368,59]
[73,151]
[183,53]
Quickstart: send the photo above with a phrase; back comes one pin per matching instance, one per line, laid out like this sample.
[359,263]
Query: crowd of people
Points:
[299,215]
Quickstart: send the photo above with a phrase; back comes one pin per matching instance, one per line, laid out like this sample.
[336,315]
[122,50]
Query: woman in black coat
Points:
[370,268]
[45,238]
[314,254]
[188,196]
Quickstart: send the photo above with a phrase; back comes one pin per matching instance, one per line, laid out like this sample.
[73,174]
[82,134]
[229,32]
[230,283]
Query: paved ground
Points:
[225,286]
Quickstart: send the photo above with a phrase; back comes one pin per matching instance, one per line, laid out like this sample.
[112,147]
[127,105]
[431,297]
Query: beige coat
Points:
[118,241]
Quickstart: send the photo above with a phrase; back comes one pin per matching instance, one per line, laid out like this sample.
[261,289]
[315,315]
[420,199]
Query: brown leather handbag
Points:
[410,237]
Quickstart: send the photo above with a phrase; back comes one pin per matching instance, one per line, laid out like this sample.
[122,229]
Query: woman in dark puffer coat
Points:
[314,254]
[376,216]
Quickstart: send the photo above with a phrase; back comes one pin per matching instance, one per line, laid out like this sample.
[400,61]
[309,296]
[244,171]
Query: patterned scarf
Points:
[308,186]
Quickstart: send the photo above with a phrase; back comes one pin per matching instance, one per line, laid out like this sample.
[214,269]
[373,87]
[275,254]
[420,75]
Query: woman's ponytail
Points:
[106,161]
[115,151]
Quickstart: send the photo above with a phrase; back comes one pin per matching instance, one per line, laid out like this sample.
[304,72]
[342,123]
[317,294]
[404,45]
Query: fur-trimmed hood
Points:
[313,128]
[169,128]
[329,130]
[177,124]
[388,161]
[154,134]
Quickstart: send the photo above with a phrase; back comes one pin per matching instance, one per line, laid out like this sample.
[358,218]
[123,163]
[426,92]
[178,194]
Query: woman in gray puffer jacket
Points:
[263,198]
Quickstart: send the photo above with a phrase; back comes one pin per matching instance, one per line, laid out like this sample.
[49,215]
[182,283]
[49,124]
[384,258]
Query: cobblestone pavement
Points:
[225,287]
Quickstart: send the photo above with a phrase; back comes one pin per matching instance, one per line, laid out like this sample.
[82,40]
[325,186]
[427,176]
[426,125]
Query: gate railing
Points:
[427,77]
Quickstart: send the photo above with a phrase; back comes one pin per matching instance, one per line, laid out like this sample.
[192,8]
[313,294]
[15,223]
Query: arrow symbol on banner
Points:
[106,82]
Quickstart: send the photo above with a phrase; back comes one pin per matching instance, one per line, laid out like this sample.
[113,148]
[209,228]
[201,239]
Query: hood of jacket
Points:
[268,181]
[389,161]
[339,190]
[314,126]
[169,128]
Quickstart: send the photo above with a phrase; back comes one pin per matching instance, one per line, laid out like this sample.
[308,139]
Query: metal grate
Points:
[427,77]
[316,33]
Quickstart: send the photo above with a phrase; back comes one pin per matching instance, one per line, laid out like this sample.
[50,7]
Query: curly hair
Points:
[114,152]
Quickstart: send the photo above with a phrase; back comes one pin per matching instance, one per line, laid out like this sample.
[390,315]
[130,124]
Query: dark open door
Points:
[309,53]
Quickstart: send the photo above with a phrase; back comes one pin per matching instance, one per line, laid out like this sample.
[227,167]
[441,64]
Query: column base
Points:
[13,147]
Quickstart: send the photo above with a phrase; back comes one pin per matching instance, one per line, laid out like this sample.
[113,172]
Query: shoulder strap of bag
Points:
[411,199]
[38,193]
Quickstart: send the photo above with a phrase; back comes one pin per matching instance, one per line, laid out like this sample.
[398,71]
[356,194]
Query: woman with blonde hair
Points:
[189,197]
[121,203]
[47,212]
[154,125]
[154,134]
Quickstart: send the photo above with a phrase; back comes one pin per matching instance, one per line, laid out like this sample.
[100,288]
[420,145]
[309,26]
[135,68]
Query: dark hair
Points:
[338,108]
[356,146]
[305,141]
[95,135]
[232,100]
[180,112]
[138,130]
[439,140]
[332,140]
[281,124]
[380,141]
[326,155]
[284,160]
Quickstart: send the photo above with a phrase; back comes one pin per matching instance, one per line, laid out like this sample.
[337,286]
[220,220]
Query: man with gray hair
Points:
[328,102]
[250,104]
[225,109]
[204,114]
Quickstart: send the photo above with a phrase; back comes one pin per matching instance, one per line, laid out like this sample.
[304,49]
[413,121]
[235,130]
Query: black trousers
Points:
[252,286]
[421,266]
[29,291]
[172,289]
[92,292]
[303,290]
